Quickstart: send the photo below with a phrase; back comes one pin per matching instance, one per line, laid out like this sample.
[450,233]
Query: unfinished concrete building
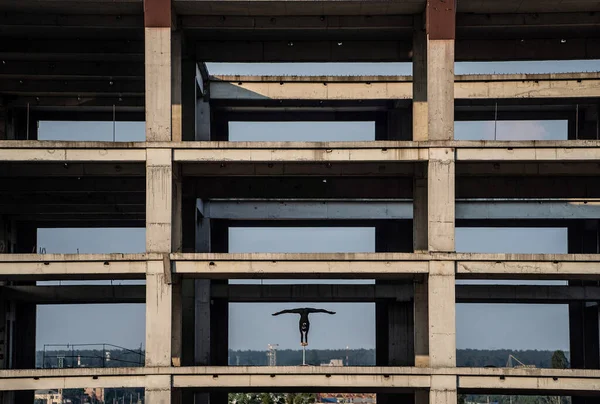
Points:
[134,60]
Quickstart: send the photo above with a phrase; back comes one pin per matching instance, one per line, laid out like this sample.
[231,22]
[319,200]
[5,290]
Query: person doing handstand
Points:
[304,324]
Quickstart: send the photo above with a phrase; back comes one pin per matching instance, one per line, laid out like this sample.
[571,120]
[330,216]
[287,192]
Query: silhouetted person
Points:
[304,324]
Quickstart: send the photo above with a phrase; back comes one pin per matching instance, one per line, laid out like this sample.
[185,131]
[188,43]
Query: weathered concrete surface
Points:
[308,381]
[299,269]
[301,155]
[329,88]
[73,266]
[441,315]
[159,200]
[159,301]
[511,153]
[158,83]
[441,200]
[344,378]
[30,154]
[528,269]
[443,390]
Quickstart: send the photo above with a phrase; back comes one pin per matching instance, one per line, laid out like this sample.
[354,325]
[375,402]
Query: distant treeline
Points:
[286,357]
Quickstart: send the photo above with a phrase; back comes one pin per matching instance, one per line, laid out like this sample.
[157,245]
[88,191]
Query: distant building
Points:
[48,397]
[347,398]
[334,362]
[97,393]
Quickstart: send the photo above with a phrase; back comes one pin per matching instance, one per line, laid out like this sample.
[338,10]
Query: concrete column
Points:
[420,226]
[394,335]
[176,86]
[158,390]
[189,99]
[585,123]
[440,200]
[442,314]
[584,238]
[24,315]
[177,214]
[421,317]
[3,134]
[157,23]
[159,194]
[443,390]
[433,72]
[177,322]
[159,303]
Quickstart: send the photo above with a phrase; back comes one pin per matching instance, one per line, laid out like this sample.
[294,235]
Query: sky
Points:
[251,325]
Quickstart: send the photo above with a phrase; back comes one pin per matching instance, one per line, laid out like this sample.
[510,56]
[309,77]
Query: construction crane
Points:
[272,354]
[511,358]
[509,364]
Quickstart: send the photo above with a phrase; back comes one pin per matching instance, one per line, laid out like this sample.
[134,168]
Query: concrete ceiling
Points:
[300,7]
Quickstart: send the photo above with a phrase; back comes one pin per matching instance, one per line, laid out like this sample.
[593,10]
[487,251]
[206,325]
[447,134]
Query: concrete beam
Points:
[79,21]
[339,154]
[71,185]
[509,153]
[15,69]
[303,51]
[317,377]
[46,154]
[467,50]
[338,88]
[100,294]
[80,294]
[58,169]
[216,266]
[372,209]
[386,265]
[318,22]
[79,88]
[72,50]
[312,293]
[525,269]
[535,294]
[74,266]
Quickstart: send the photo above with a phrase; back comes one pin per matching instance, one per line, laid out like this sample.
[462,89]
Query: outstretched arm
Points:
[293,311]
[320,311]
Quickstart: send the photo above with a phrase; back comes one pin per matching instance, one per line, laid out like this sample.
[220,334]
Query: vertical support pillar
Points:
[442,331]
[3,134]
[433,72]
[176,86]
[584,323]
[163,298]
[189,99]
[159,200]
[441,200]
[434,203]
[157,23]
[443,390]
[421,326]
[420,219]
[421,323]
[177,214]
[442,314]
[158,390]
[25,316]
[394,321]
[159,298]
